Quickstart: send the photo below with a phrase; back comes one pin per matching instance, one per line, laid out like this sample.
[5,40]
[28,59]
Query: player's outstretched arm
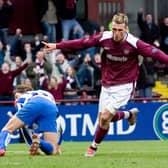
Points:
[49,46]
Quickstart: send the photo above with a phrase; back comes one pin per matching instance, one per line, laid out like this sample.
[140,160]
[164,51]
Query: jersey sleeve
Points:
[81,43]
[147,50]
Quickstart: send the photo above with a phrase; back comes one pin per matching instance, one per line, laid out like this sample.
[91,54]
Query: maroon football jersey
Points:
[119,63]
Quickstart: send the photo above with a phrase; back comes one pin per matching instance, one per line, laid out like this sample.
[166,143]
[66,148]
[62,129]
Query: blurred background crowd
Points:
[67,75]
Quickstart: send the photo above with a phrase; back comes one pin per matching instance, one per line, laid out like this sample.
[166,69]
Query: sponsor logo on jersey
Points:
[116,58]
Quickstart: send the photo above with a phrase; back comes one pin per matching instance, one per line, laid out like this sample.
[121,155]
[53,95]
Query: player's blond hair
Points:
[120,18]
[22,88]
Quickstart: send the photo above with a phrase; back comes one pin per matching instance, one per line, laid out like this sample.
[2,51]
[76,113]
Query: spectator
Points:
[17,61]
[19,79]
[85,72]
[36,44]
[143,85]
[6,79]
[47,13]
[96,64]
[45,38]
[28,52]
[162,68]
[71,29]
[8,58]
[60,66]
[62,62]
[17,43]
[38,70]
[164,35]
[6,11]
[55,88]
[11,60]
[72,84]
[150,34]
[149,30]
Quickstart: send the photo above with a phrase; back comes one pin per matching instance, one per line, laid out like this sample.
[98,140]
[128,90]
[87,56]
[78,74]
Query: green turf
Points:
[116,154]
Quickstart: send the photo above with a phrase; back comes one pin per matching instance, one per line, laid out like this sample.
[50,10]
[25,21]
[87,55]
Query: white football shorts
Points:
[114,97]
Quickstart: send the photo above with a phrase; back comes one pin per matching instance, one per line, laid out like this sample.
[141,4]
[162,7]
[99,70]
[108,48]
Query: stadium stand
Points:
[161,89]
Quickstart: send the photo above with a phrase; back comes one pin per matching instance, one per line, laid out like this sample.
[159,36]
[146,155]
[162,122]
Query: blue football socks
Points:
[60,136]
[4,139]
[46,147]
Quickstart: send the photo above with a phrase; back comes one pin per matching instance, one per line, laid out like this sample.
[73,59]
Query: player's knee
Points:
[105,119]
[111,109]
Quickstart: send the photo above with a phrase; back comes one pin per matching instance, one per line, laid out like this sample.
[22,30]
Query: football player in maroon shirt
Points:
[119,71]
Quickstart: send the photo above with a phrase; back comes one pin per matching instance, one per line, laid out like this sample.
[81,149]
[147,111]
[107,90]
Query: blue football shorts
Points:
[40,111]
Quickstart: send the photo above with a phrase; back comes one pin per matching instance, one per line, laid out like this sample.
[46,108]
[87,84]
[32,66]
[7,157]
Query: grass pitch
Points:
[114,154]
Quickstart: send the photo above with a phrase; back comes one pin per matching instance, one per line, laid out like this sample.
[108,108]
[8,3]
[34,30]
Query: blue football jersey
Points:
[32,94]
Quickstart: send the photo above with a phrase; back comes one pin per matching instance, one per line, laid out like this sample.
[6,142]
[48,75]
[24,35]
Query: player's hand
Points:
[58,150]
[49,46]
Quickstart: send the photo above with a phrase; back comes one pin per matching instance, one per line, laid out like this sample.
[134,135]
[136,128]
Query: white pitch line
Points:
[18,151]
[11,163]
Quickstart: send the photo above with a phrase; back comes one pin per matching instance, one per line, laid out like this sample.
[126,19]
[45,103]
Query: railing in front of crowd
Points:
[95,100]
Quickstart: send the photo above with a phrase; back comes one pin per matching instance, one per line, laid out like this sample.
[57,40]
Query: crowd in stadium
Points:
[66,74]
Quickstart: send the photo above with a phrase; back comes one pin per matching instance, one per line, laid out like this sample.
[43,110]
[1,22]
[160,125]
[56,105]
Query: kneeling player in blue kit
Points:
[34,107]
